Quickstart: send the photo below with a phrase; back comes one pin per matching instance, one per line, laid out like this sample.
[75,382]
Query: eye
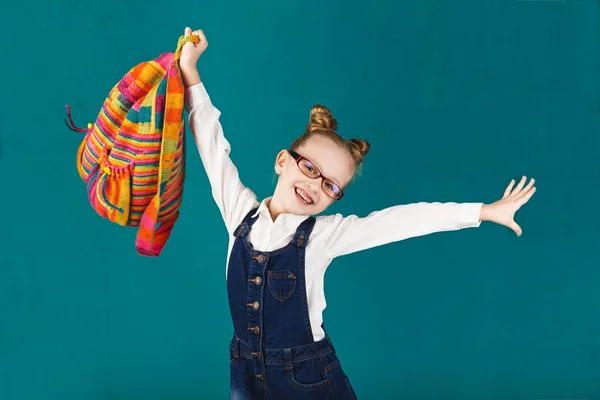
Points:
[310,169]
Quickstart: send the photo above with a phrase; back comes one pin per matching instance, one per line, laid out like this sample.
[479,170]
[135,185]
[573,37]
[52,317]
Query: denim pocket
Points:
[308,376]
[282,284]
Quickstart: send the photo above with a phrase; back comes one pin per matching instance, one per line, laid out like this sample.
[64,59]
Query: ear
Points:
[280,161]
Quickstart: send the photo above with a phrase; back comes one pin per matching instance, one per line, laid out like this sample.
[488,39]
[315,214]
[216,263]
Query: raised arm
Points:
[233,199]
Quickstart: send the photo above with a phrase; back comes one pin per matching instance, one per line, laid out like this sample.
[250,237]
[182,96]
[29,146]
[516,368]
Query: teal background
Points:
[456,98]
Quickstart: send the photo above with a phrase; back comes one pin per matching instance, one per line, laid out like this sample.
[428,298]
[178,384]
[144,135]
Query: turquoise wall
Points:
[456,98]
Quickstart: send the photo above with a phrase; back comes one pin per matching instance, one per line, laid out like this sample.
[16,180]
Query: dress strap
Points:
[246,224]
[303,232]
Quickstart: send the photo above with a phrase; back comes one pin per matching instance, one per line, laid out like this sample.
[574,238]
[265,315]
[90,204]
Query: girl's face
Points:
[297,193]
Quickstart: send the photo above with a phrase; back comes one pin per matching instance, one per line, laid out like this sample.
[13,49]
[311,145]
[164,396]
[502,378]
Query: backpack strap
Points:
[152,235]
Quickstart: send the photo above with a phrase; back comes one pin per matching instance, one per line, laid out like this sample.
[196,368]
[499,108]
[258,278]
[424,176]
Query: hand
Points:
[503,211]
[191,51]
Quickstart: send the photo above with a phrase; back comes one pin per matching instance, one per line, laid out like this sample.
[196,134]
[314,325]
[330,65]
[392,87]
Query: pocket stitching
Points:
[306,386]
[285,274]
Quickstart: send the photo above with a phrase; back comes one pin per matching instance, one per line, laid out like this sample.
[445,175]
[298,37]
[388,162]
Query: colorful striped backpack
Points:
[132,158]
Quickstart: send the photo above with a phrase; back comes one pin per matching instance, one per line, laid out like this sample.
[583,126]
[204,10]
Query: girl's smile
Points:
[304,198]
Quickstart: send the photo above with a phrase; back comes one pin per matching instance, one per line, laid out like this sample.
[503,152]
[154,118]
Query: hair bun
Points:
[321,118]
[359,149]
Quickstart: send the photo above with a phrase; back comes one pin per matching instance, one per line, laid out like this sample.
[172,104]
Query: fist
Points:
[190,53]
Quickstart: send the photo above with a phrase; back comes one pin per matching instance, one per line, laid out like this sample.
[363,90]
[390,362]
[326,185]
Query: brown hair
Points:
[323,123]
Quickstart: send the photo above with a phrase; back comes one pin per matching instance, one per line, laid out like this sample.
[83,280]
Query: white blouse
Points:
[332,236]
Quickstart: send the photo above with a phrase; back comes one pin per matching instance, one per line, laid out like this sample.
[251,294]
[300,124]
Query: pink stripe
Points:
[147,222]
[165,59]
[160,103]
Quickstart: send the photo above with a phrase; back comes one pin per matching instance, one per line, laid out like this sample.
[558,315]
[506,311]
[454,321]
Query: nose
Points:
[315,184]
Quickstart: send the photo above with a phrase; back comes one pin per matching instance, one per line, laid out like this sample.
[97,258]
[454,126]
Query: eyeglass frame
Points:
[297,157]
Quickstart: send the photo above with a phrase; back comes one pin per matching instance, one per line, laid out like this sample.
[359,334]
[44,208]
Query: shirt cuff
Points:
[469,215]
[195,95]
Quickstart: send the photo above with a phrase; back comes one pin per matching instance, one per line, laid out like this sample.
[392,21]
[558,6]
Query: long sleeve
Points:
[345,235]
[232,197]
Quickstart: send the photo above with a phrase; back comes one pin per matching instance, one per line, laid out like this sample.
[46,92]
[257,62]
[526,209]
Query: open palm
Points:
[503,211]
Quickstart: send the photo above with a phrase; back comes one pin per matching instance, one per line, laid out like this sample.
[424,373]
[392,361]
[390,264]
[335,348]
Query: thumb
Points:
[188,31]
[515,227]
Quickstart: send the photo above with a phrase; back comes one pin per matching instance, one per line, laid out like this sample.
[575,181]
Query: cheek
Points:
[288,180]
[292,175]
[324,200]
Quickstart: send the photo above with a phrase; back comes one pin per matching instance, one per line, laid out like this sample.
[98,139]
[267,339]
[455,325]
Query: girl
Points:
[278,251]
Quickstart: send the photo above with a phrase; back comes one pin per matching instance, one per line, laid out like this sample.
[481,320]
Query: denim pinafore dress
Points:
[273,354]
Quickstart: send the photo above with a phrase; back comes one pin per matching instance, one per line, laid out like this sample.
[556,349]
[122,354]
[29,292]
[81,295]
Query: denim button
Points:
[261,259]
[256,305]
[255,330]
[257,280]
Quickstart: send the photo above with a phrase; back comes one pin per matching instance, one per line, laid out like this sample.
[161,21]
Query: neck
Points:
[275,209]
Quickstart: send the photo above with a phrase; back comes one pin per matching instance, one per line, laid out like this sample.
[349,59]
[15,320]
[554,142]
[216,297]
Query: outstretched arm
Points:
[345,235]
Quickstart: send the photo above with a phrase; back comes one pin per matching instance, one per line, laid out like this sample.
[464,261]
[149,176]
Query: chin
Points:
[296,205]
[299,210]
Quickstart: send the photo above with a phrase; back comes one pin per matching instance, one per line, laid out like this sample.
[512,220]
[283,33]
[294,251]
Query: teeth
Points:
[301,195]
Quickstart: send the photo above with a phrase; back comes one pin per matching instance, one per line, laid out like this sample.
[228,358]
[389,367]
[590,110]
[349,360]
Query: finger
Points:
[525,197]
[526,188]
[188,31]
[508,189]
[519,186]
[529,185]
[200,34]
[516,228]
